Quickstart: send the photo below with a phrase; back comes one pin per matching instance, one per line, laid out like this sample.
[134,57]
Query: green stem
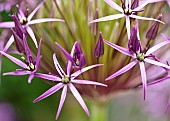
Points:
[99,112]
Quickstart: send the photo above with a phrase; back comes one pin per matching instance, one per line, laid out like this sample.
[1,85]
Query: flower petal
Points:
[15,60]
[57,66]
[145,18]
[156,63]
[143,76]
[17,72]
[87,82]
[144,3]
[31,77]
[114,5]
[67,55]
[48,77]
[79,98]
[123,70]
[63,97]
[35,10]
[9,43]
[120,49]
[32,35]
[108,18]
[69,64]
[77,73]
[156,47]
[38,58]
[128,26]
[49,92]
[42,20]
[159,81]
[7,24]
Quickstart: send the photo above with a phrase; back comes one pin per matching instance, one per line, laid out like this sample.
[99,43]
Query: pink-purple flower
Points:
[139,56]
[26,20]
[29,66]
[128,11]
[65,81]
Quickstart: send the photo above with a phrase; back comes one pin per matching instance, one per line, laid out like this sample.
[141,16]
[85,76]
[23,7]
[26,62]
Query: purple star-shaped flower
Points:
[26,21]
[29,66]
[128,11]
[138,56]
[66,80]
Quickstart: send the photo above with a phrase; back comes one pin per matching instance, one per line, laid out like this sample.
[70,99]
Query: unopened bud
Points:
[99,48]
[152,32]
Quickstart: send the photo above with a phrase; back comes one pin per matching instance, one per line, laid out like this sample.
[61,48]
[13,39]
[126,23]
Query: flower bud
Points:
[99,48]
[152,32]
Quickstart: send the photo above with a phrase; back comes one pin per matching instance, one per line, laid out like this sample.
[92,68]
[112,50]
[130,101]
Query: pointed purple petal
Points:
[35,10]
[87,82]
[159,81]
[26,48]
[69,64]
[156,47]
[31,77]
[49,92]
[123,70]
[114,5]
[143,76]
[156,63]
[145,18]
[128,26]
[63,97]
[9,43]
[17,72]
[48,77]
[7,24]
[120,49]
[37,21]
[77,73]
[15,60]
[144,3]
[67,55]
[79,98]
[108,18]
[32,35]
[38,58]
[57,66]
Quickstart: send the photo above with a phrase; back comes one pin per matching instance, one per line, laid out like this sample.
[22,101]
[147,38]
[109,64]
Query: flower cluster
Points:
[73,76]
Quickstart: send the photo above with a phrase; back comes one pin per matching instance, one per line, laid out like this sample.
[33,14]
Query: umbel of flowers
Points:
[80,42]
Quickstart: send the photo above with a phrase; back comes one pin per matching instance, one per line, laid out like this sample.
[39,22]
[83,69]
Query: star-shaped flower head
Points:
[128,11]
[26,20]
[65,81]
[138,55]
[29,66]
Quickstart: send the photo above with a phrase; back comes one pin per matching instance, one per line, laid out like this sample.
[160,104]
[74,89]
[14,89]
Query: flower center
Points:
[65,79]
[23,20]
[128,11]
[140,56]
[31,67]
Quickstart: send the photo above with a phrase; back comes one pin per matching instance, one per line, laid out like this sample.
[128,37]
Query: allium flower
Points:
[26,21]
[29,66]
[138,56]
[128,11]
[66,80]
